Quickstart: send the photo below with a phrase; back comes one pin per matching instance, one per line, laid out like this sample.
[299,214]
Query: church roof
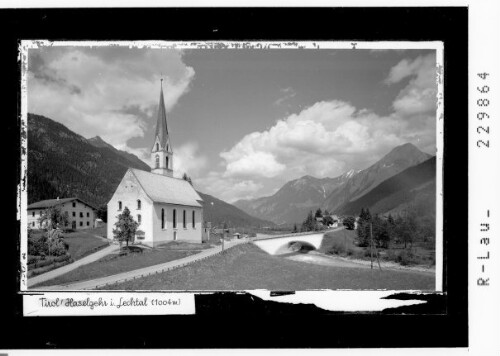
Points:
[49,203]
[161,122]
[163,189]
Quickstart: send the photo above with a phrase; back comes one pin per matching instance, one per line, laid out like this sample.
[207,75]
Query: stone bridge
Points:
[275,244]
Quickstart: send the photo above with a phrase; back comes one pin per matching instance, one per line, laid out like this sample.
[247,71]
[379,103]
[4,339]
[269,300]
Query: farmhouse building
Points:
[166,208]
[81,215]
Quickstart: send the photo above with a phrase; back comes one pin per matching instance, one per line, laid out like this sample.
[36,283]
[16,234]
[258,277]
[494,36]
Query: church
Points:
[166,208]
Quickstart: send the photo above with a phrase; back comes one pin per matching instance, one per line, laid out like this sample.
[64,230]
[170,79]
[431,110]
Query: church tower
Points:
[161,152]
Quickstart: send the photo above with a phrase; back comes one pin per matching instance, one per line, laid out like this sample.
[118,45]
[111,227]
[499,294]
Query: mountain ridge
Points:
[62,163]
[294,199]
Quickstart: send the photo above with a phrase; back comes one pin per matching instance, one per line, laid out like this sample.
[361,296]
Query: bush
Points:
[348,222]
[54,265]
[40,262]
[405,257]
[338,248]
[41,245]
[130,249]
[33,259]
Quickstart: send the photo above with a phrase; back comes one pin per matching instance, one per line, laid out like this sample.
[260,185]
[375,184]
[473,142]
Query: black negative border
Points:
[239,321]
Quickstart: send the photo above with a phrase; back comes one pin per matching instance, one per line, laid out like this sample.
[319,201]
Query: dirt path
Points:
[336,261]
[69,267]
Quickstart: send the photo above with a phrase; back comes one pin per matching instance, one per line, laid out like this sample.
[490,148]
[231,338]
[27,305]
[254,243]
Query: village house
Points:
[166,208]
[81,215]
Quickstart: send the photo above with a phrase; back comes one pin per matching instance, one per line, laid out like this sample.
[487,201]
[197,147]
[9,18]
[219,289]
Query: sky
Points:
[243,122]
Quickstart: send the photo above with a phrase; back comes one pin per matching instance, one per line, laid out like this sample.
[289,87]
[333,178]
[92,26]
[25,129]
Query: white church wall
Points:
[182,234]
[128,193]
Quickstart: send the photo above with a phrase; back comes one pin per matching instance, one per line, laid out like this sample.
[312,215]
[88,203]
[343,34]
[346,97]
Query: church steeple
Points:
[161,152]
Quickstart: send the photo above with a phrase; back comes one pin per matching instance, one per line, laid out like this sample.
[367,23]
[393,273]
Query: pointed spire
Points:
[161,123]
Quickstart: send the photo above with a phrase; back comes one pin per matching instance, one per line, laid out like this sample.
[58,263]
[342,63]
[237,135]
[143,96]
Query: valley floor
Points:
[247,267]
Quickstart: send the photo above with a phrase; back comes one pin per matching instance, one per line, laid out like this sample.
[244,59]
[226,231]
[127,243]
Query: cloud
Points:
[105,91]
[227,188]
[419,96]
[288,93]
[330,137]
[188,160]
[318,141]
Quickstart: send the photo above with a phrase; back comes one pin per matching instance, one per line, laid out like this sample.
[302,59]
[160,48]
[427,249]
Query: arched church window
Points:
[157,147]
[175,218]
[138,204]
[139,218]
[184,218]
[119,205]
[193,220]
[162,218]
[166,161]
[157,161]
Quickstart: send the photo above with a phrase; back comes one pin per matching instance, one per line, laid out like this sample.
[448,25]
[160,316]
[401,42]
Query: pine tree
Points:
[319,213]
[309,223]
[126,227]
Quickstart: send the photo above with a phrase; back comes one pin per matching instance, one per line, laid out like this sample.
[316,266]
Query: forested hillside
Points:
[63,163]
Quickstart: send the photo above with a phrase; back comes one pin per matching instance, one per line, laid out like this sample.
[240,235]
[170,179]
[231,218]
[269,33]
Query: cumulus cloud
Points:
[188,160]
[227,188]
[105,91]
[315,141]
[419,96]
[330,137]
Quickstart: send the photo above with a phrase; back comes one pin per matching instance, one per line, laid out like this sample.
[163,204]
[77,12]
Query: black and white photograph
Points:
[260,178]
[233,166]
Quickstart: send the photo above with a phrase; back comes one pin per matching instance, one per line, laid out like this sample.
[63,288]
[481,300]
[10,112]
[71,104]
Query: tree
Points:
[328,220]
[187,178]
[102,213]
[326,212]
[310,223]
[380,232]
[318,214]
[126,227]
[53,218]
[349,222]
[364,221]
[295,228]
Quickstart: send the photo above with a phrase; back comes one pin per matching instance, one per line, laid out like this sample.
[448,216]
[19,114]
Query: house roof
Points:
[163,189]
[49,203]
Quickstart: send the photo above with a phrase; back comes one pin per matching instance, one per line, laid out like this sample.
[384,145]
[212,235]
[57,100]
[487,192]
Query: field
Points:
[340,238]
[342,243]
[247,267]
[114,264]
[82,244]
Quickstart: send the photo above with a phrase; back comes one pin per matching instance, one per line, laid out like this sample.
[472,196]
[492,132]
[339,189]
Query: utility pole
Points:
[371,249]
[371,246]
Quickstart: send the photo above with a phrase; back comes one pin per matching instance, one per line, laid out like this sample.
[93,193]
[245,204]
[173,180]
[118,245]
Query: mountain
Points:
[296,198]
[397,160]
[221,212]
[64,164]
[415,186]
[98,142]
[293,200]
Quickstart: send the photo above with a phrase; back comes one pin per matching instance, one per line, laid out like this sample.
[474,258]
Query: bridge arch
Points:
[280,244]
